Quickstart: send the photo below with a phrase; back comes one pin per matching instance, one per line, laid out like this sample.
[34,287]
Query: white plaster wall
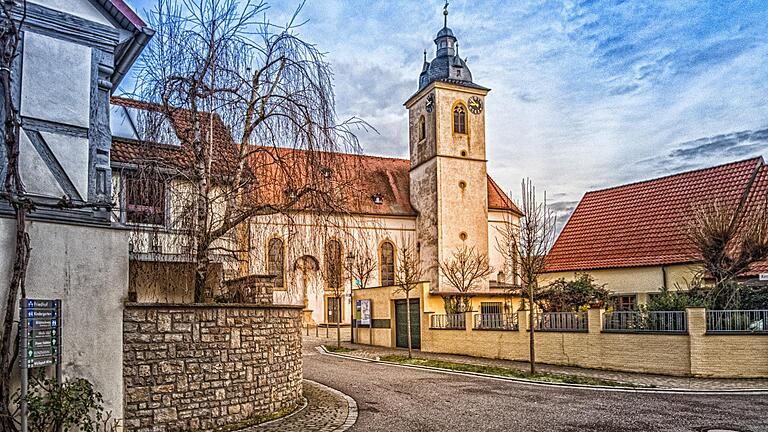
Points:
[87,268]
[496,221]
[56,83]
[304,234]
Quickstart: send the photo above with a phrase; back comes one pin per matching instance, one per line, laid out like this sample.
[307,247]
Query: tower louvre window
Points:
[460,119]
[422,128]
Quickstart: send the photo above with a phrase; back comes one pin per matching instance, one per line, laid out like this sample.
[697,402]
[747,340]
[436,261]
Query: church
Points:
[435,202]
[439,200]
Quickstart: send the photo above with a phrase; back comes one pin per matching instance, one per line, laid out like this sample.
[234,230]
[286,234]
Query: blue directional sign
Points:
[42,322]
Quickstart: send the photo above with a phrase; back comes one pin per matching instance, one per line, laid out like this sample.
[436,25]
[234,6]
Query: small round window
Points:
[463,153]
[462,185]
[463,236]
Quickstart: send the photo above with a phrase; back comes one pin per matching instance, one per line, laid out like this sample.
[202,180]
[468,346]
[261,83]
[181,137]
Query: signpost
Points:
[764,276]
[40,341]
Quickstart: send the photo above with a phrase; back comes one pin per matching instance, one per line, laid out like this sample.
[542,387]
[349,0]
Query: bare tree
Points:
[216,65]
[528,245]
[464,271]
[728,239]
[362,266]
[409,273]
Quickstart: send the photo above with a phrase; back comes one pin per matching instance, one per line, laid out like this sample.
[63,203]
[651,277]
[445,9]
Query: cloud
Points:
[703,152]
[586,94]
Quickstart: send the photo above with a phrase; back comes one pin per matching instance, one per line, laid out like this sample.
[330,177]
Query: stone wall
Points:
[201,367]
[255,289]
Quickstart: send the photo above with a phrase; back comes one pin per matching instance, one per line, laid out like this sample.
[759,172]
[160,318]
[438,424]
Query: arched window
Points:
[276,261]
[460,119]
[422,128]
[387,264]
[333,263]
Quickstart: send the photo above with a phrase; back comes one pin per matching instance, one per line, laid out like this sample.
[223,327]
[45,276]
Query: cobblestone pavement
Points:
[327,410]
[392,398]
[660,381]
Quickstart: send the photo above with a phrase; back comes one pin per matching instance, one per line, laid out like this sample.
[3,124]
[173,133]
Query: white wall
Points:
[87,268]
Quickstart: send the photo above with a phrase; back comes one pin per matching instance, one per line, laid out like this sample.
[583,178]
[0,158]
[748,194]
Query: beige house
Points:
[633,237]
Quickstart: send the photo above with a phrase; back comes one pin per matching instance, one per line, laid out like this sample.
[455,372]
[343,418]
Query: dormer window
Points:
[326,172]
[290,193]
[377,199]
[459,119]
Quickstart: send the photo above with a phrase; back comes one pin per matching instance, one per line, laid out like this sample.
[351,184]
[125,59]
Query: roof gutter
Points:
[136,45]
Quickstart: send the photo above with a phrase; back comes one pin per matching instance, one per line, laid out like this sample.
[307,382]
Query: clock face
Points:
[430,105]
[475,105]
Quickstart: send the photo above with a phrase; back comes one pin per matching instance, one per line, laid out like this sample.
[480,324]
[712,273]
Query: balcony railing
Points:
[737,321]
[639,322]
[496,321]
[563,321]
[448,321]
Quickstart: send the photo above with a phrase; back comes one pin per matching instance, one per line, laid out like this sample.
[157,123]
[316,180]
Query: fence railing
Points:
[562,321]
[737,321]
[496,321]
[636,321]
[448,321]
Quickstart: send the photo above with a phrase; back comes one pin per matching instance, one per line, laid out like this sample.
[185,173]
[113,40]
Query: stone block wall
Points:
[202,367]
[256,289]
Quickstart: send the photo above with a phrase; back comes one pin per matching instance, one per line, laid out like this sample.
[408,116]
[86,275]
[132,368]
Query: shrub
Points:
[74,405]
[570,296]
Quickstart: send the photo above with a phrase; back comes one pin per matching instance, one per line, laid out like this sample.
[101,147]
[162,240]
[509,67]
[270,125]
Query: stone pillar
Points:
[595,316]
[469,322]
[522,321]
[697,329]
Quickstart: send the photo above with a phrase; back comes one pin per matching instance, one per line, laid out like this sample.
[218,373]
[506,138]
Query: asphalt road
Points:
[393,398]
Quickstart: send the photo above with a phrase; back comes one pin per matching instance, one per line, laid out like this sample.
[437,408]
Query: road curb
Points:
[351,405]
[324,351]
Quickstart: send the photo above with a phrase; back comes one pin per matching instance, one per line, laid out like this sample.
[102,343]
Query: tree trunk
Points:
[408,320]
[532,326]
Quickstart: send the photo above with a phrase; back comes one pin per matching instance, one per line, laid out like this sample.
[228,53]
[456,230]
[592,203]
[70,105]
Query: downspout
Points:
[664,277]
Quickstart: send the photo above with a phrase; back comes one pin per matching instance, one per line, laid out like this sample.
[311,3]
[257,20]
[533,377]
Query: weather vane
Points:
[445,13]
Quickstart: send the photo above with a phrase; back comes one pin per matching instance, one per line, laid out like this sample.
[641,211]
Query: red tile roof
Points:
[181,157]
[757,197]
[363,176]
[643,224]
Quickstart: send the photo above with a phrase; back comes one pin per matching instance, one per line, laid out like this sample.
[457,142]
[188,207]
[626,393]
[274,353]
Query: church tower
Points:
[449,185]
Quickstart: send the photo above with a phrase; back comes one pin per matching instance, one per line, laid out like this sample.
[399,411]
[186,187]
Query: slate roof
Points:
[643,224]
[361,176]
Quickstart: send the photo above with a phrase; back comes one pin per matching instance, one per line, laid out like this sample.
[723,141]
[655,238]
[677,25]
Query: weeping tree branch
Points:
[217,70]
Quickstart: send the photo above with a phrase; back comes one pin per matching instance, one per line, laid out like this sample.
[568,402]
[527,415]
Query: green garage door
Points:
[402,324]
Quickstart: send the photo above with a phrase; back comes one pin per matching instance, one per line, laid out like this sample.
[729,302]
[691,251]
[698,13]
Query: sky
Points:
[585,94]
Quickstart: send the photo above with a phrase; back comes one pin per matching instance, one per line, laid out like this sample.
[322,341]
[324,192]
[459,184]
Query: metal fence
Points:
[562,321]
[637,322]
[737,321]
[448,321]
[496,321]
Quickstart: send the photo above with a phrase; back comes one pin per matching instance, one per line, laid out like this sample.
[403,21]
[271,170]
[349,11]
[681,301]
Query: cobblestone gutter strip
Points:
[327,410]
[351,406]
[548,384]
[304,405]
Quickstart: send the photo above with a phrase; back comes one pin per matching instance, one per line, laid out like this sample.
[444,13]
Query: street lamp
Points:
[350,263]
